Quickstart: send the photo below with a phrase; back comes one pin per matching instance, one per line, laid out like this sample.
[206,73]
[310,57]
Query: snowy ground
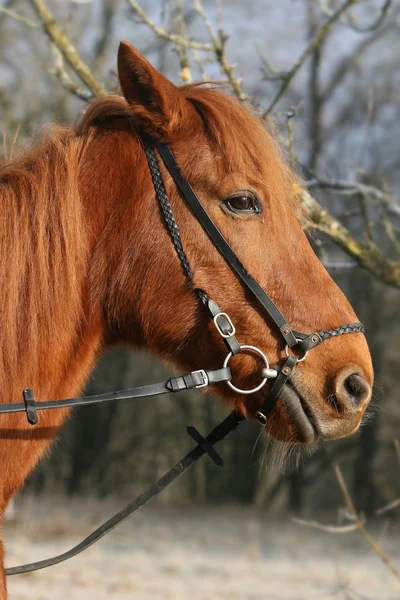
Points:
[192,553]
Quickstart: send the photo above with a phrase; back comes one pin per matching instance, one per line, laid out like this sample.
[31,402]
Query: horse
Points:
[87,263]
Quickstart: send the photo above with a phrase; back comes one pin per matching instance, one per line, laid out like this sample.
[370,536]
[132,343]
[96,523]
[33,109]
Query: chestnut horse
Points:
[86,263]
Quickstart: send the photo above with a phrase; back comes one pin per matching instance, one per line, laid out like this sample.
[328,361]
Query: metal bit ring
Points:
[266,366]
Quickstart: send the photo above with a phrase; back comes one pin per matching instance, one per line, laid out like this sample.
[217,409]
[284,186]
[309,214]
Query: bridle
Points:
[292,338]
[303,342]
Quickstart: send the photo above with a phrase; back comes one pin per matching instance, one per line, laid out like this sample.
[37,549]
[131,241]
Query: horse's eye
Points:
[244,202]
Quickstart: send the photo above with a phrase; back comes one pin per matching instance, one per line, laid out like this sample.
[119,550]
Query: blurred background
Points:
[328,74]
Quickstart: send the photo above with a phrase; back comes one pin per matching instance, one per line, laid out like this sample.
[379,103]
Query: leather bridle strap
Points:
[283,375]
[196,379]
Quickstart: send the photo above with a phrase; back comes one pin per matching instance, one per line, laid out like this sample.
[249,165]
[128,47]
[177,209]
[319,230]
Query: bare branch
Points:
[361,527]
[340,266]
[349,187]
[218,45]
[313,45]
[368,256]
[64,45]
[62,76]
[386,6]
[328,528]
[348,62]
[397,447]
[270,72]
[185,72]
[165,35]
[388,507]
[13,15]
[389,229]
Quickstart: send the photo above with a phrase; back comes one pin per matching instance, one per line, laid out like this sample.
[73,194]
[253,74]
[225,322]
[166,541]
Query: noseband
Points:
[302,342]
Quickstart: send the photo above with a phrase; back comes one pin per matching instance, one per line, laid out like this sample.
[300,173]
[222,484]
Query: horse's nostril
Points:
[355,389]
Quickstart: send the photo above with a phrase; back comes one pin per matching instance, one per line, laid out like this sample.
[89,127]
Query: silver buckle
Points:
[217,325]
[261,418]
[204,376]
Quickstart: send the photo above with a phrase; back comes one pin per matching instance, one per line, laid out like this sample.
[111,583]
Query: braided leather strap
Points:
[350,328]
[165,207]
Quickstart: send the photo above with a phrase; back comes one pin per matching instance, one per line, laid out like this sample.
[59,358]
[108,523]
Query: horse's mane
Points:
[43,246]
[42,249]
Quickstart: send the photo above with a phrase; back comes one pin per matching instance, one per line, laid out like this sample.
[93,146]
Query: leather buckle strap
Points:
[198,379]
[222,322]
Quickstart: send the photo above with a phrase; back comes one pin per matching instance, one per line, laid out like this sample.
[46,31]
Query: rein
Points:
[196,379]
[205,446]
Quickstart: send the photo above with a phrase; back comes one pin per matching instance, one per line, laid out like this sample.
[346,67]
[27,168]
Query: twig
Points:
[270,72]
[290,119]
[162,33]
[218,45]
[361,527]
[185,72]
[367,221]
[17,17]
[200,65]
[389,229]
[64,45]
[370,257]
[397,448]
[62,76]
[367,130]
[392,203]
[388,507]
[375,24]
[348,62]
[327,528]
[313,45]
[340,265]
[316,104]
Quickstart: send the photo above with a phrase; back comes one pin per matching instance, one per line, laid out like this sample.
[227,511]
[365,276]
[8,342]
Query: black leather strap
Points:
[314,339]
[196,379]
[30,406]
[213,310]
[286,371]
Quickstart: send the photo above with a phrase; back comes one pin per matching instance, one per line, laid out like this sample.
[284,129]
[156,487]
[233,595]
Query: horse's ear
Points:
[155,101]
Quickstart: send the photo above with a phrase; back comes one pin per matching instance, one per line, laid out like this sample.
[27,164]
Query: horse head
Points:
[233,163]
